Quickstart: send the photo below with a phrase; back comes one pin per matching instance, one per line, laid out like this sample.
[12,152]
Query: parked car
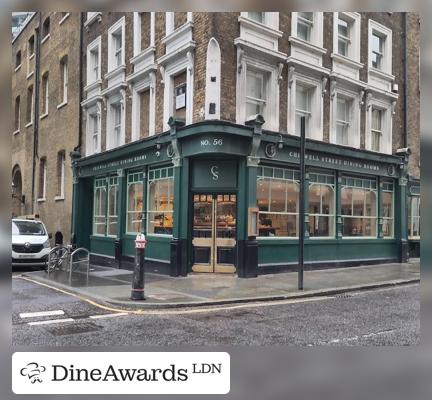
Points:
[30,243]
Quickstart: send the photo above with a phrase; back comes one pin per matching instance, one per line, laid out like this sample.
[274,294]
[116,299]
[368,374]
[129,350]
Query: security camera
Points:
[403,150]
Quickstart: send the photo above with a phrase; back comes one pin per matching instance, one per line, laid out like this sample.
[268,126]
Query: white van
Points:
[30,243]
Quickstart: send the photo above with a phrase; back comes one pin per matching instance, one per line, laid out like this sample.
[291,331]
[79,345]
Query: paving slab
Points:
[113,286]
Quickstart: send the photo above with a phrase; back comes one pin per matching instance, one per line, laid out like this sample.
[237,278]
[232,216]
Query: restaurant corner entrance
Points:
[214,224]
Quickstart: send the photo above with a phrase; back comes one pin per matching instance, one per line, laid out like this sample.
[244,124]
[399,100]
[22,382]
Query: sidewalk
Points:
[113,286]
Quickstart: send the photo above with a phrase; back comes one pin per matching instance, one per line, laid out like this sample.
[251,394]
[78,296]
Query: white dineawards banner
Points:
[120,373]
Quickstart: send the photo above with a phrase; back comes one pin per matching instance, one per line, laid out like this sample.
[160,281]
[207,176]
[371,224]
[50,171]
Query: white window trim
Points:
[332,216]
[316,127]
[271,116]
[388,44]
[65,72]
[65,17]
[19,115]
[117,98]
[137,32]
[386,144]
[147,84]
[355,20]
[354,129]
[44,181]
[95,110]
[185,63]
[45,103]
[97,43]
[169,22]
[271,19]
[46,37]
[412,216]
[317,35]
[61,196]
[119,25]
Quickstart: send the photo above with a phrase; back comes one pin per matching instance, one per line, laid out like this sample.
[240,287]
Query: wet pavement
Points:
[111,285]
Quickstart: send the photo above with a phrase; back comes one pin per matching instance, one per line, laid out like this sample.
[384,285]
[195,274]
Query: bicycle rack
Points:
[80,260]
[55,250]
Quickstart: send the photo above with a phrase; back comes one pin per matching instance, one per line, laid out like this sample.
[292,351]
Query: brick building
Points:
[190,134]
[45,103]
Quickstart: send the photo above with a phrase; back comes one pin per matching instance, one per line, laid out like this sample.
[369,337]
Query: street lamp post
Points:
[301,201]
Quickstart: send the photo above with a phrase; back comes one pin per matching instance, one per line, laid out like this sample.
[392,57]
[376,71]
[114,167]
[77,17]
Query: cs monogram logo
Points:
[33,371]
[215,172]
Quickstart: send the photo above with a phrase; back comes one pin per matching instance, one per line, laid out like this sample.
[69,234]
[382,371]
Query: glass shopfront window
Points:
[112,205]
[414,217]
[388,209]
[359,207]
[134,202]
[99,208]
[277,198]
[105,206]
[160,205]
[321,205]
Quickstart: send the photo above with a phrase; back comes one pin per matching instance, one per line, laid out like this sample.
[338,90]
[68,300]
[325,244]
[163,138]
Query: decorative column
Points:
[178,257]
[380,209]
[338,210]
[403,206]
[247,246]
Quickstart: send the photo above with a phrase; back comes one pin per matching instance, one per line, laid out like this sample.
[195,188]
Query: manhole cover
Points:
[73,329]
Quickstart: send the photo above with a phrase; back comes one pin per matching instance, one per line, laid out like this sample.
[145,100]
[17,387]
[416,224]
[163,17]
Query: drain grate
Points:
[73,329]
[343,296]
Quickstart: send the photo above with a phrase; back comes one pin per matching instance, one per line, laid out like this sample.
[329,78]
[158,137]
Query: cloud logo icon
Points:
[33,371]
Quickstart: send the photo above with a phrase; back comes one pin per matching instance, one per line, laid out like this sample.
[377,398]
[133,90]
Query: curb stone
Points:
[129,305]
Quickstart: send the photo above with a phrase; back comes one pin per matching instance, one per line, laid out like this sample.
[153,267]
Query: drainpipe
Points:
[405,133]
[36,108]
[76,153]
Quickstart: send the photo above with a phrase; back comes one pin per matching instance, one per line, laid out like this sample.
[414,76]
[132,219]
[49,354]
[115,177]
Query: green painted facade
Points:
[221,157]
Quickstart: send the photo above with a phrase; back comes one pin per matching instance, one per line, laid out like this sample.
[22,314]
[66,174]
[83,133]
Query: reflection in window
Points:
[160,204]
[414,217]
[359,207]
[277,198]
[134,202]
[387,209]
[321,205]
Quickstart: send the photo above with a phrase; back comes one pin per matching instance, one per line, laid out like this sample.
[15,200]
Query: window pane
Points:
[358,201]
[112,210]
[370,203]
[302,98]
[387,200]
[306,15]
[134,207]
[277,225]
[377,43]
[263,187]
[161,204]
[255,85]
[343,28]
[376,119]
[256,16]
[321,226]
[359,227]
[327,195]
[292,197]
[342,109]
[278,196]
[341,134]
[346,201]
[315,199]
[387,227]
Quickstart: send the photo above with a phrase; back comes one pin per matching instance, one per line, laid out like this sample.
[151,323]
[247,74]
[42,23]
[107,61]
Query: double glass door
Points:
[214,232]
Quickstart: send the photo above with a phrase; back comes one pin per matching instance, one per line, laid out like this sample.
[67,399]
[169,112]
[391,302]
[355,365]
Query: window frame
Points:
[31,105]
[385,189]
[61,163]
[43,179]
[131,181]
[386,33]
[93,113]
[118,28]
[168,171]
[264,84]
[45,94]
[112,182]
[17,114]
[316,32]
[91,76]
[332,217]
[64,70]
[365,189]
[99,183]
[289,175]
[412,217]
